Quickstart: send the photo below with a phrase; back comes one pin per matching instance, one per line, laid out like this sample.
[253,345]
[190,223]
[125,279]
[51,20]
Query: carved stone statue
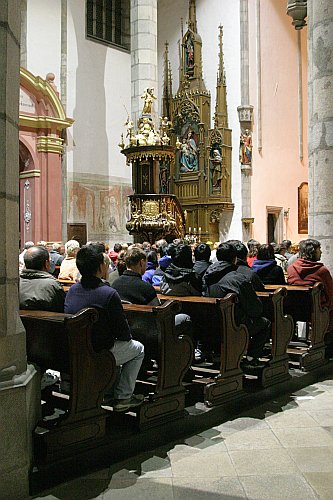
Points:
[245,148]
[148,97]
[216,169]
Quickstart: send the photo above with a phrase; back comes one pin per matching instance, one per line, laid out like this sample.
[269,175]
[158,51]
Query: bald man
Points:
[39,290]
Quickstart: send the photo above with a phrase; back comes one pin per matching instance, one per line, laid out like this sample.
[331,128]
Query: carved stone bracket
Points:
[297,10]
[248,220]
[245,116]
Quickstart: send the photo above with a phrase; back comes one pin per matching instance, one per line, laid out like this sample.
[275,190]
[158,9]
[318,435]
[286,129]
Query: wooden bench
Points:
[66,284]
[63,342]
[217,316]
[303,303]
[277,370]
[174,357]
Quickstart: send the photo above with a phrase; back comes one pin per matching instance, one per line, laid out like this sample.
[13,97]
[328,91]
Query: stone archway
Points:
[42,123]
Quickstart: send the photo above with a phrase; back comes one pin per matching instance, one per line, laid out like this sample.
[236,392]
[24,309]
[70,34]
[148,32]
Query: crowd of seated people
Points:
[133,272]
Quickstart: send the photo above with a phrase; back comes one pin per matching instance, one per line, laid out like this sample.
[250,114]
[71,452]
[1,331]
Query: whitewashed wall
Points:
[210,14]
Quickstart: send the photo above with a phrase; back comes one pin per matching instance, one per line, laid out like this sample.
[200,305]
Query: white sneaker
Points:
[48,379]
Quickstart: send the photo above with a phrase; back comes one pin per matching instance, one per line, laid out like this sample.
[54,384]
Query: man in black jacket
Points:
[244,268]
[222,278]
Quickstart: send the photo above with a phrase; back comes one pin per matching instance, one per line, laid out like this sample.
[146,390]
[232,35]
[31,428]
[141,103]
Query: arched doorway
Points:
[42,125]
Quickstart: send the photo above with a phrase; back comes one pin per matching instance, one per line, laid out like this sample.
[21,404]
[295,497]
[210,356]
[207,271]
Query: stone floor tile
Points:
[193,465]
[322,402]
[155,467]
[146,489]
[263,462]
[241,424]
[323,417]
[322,483]
[199,489]
[252,440]
[293,418]
[310,437]
[211,445]
[277,487]
[316,459]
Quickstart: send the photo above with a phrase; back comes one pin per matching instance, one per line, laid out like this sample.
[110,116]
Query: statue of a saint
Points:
[245,148]
[216,169]
[189,154]
[148,97]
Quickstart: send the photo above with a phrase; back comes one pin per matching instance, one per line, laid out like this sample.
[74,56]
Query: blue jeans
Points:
[129,356]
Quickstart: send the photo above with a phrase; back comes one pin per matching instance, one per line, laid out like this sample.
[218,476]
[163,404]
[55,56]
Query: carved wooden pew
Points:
[217,316]
[174,357]
[63,342]
[277,370]
[303,304]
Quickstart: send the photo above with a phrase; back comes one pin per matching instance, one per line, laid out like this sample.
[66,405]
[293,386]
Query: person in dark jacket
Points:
[266,267]
[111,331]
[179,278]
[163,263]
[244,268]
[202,255]
[222,278]
[151,267]
[39,290]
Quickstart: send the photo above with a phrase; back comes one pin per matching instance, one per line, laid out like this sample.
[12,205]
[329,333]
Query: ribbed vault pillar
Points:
[320,87]
[18,383]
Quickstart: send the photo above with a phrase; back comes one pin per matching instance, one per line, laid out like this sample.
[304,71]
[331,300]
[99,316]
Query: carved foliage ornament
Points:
[186,112]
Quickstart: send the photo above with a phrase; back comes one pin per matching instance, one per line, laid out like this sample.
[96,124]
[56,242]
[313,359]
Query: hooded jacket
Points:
[201,266]
[269,272]
[181,281]
[163,263]
[307,272]
[39,290]
[252,276]
[222,278]
[149,273]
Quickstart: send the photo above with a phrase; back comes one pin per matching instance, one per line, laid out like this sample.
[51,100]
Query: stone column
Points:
[245,112]
[320,87]
[143,53]
[18,383]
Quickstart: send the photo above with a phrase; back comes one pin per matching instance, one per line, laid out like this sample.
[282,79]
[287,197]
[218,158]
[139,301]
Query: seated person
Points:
[55,257]
[111,330]
[115,253]
[68,269]
[252,246]
[281,259]
[202,253]
[222,278]
[129,285]
[179,278]
[287,245]
[39,290]
[244,268]
[307,270]
[266,267]
[132,289]
[151,267]
[163,263]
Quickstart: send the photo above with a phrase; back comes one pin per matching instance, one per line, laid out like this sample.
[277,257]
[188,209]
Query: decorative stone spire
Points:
[167,83]
[192,17]
[190,74]
[221,112]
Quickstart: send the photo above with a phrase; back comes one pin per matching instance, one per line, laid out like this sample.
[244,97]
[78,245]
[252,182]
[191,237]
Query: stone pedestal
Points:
[18,383]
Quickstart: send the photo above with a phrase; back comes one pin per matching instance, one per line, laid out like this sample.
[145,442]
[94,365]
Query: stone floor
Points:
[281,449]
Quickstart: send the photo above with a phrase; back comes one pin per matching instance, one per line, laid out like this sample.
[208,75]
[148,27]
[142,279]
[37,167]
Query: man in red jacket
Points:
[307,271]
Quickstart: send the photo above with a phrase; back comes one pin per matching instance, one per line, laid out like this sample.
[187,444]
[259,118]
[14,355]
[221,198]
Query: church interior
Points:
[158,127]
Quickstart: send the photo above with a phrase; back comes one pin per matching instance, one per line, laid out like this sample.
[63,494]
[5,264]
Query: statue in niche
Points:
[148,97]
[216,169]
[245,148]
[189,57]
[189,154]
[164,177]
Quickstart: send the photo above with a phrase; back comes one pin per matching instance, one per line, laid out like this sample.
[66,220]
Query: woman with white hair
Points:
[68,269]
